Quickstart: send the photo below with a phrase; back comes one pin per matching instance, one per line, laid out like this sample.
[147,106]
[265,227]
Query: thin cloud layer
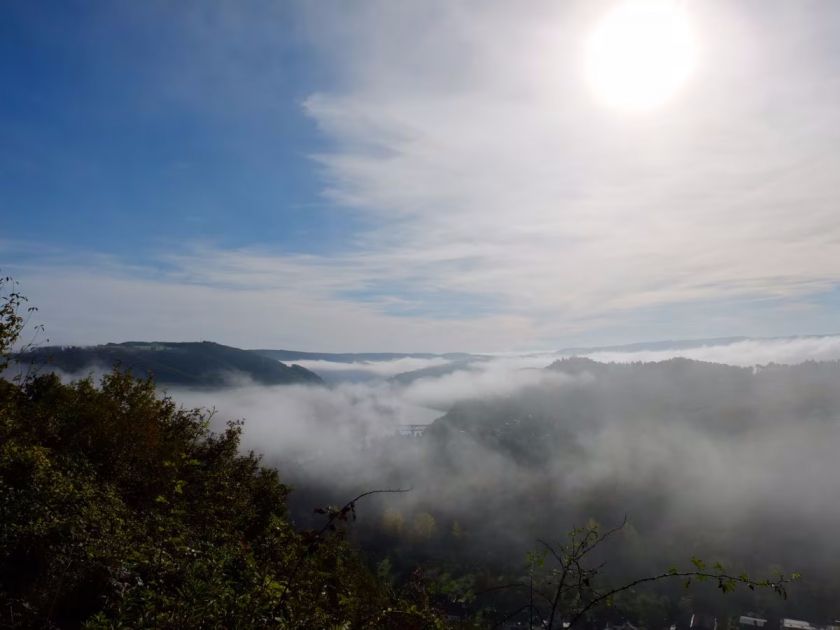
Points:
[87,304]
[495,206]
[333,370]
[495,174]
[747,353]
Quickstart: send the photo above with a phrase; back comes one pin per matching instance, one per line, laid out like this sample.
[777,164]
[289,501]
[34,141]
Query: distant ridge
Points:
[357,357]
[194,364]
[668,344]
[682,344]
[435,371]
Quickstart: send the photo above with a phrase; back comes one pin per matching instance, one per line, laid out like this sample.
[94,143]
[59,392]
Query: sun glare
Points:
[640,54]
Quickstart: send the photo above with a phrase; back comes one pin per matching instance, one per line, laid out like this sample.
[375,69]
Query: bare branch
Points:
[513,614]
[334,514]
[552,551]
[778,586]
[600,539]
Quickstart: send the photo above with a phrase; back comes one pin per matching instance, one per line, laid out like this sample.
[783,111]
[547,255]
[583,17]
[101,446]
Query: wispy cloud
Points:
[483,157]
[501,208]
[85,303]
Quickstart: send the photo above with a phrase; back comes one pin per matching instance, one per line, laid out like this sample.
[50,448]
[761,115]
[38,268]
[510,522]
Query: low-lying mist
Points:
[746,352]
[728,454]
[709,458]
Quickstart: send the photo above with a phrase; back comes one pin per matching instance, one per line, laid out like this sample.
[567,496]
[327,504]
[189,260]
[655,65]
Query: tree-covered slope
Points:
[435,371]
[121,509]
[197,364]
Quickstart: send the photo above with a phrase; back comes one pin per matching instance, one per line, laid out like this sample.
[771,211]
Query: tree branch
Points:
[721,577]
[334,514]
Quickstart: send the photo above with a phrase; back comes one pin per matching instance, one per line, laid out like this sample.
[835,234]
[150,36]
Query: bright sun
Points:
[640,54]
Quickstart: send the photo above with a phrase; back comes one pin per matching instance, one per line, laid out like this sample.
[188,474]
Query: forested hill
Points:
[197,364]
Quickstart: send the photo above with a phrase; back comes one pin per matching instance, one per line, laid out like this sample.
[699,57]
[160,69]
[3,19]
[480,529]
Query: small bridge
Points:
[411,430]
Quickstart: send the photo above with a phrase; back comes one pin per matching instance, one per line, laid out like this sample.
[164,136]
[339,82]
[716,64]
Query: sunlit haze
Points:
[641,53]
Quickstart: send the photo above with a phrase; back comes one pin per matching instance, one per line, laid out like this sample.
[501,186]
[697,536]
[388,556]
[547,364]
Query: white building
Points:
[795,624]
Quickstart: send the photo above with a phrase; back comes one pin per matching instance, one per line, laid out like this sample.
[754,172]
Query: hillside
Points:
[122,510]
[196,364]
[435,371]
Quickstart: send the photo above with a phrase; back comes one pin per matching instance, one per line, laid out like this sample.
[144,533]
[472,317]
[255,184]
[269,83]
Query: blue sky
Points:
[126,130]
[413,176]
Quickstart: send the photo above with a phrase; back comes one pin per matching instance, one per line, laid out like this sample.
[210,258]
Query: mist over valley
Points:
[733,458]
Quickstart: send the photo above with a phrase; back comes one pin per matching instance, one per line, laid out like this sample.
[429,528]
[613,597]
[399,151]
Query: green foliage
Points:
[12,321]
[118,509]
